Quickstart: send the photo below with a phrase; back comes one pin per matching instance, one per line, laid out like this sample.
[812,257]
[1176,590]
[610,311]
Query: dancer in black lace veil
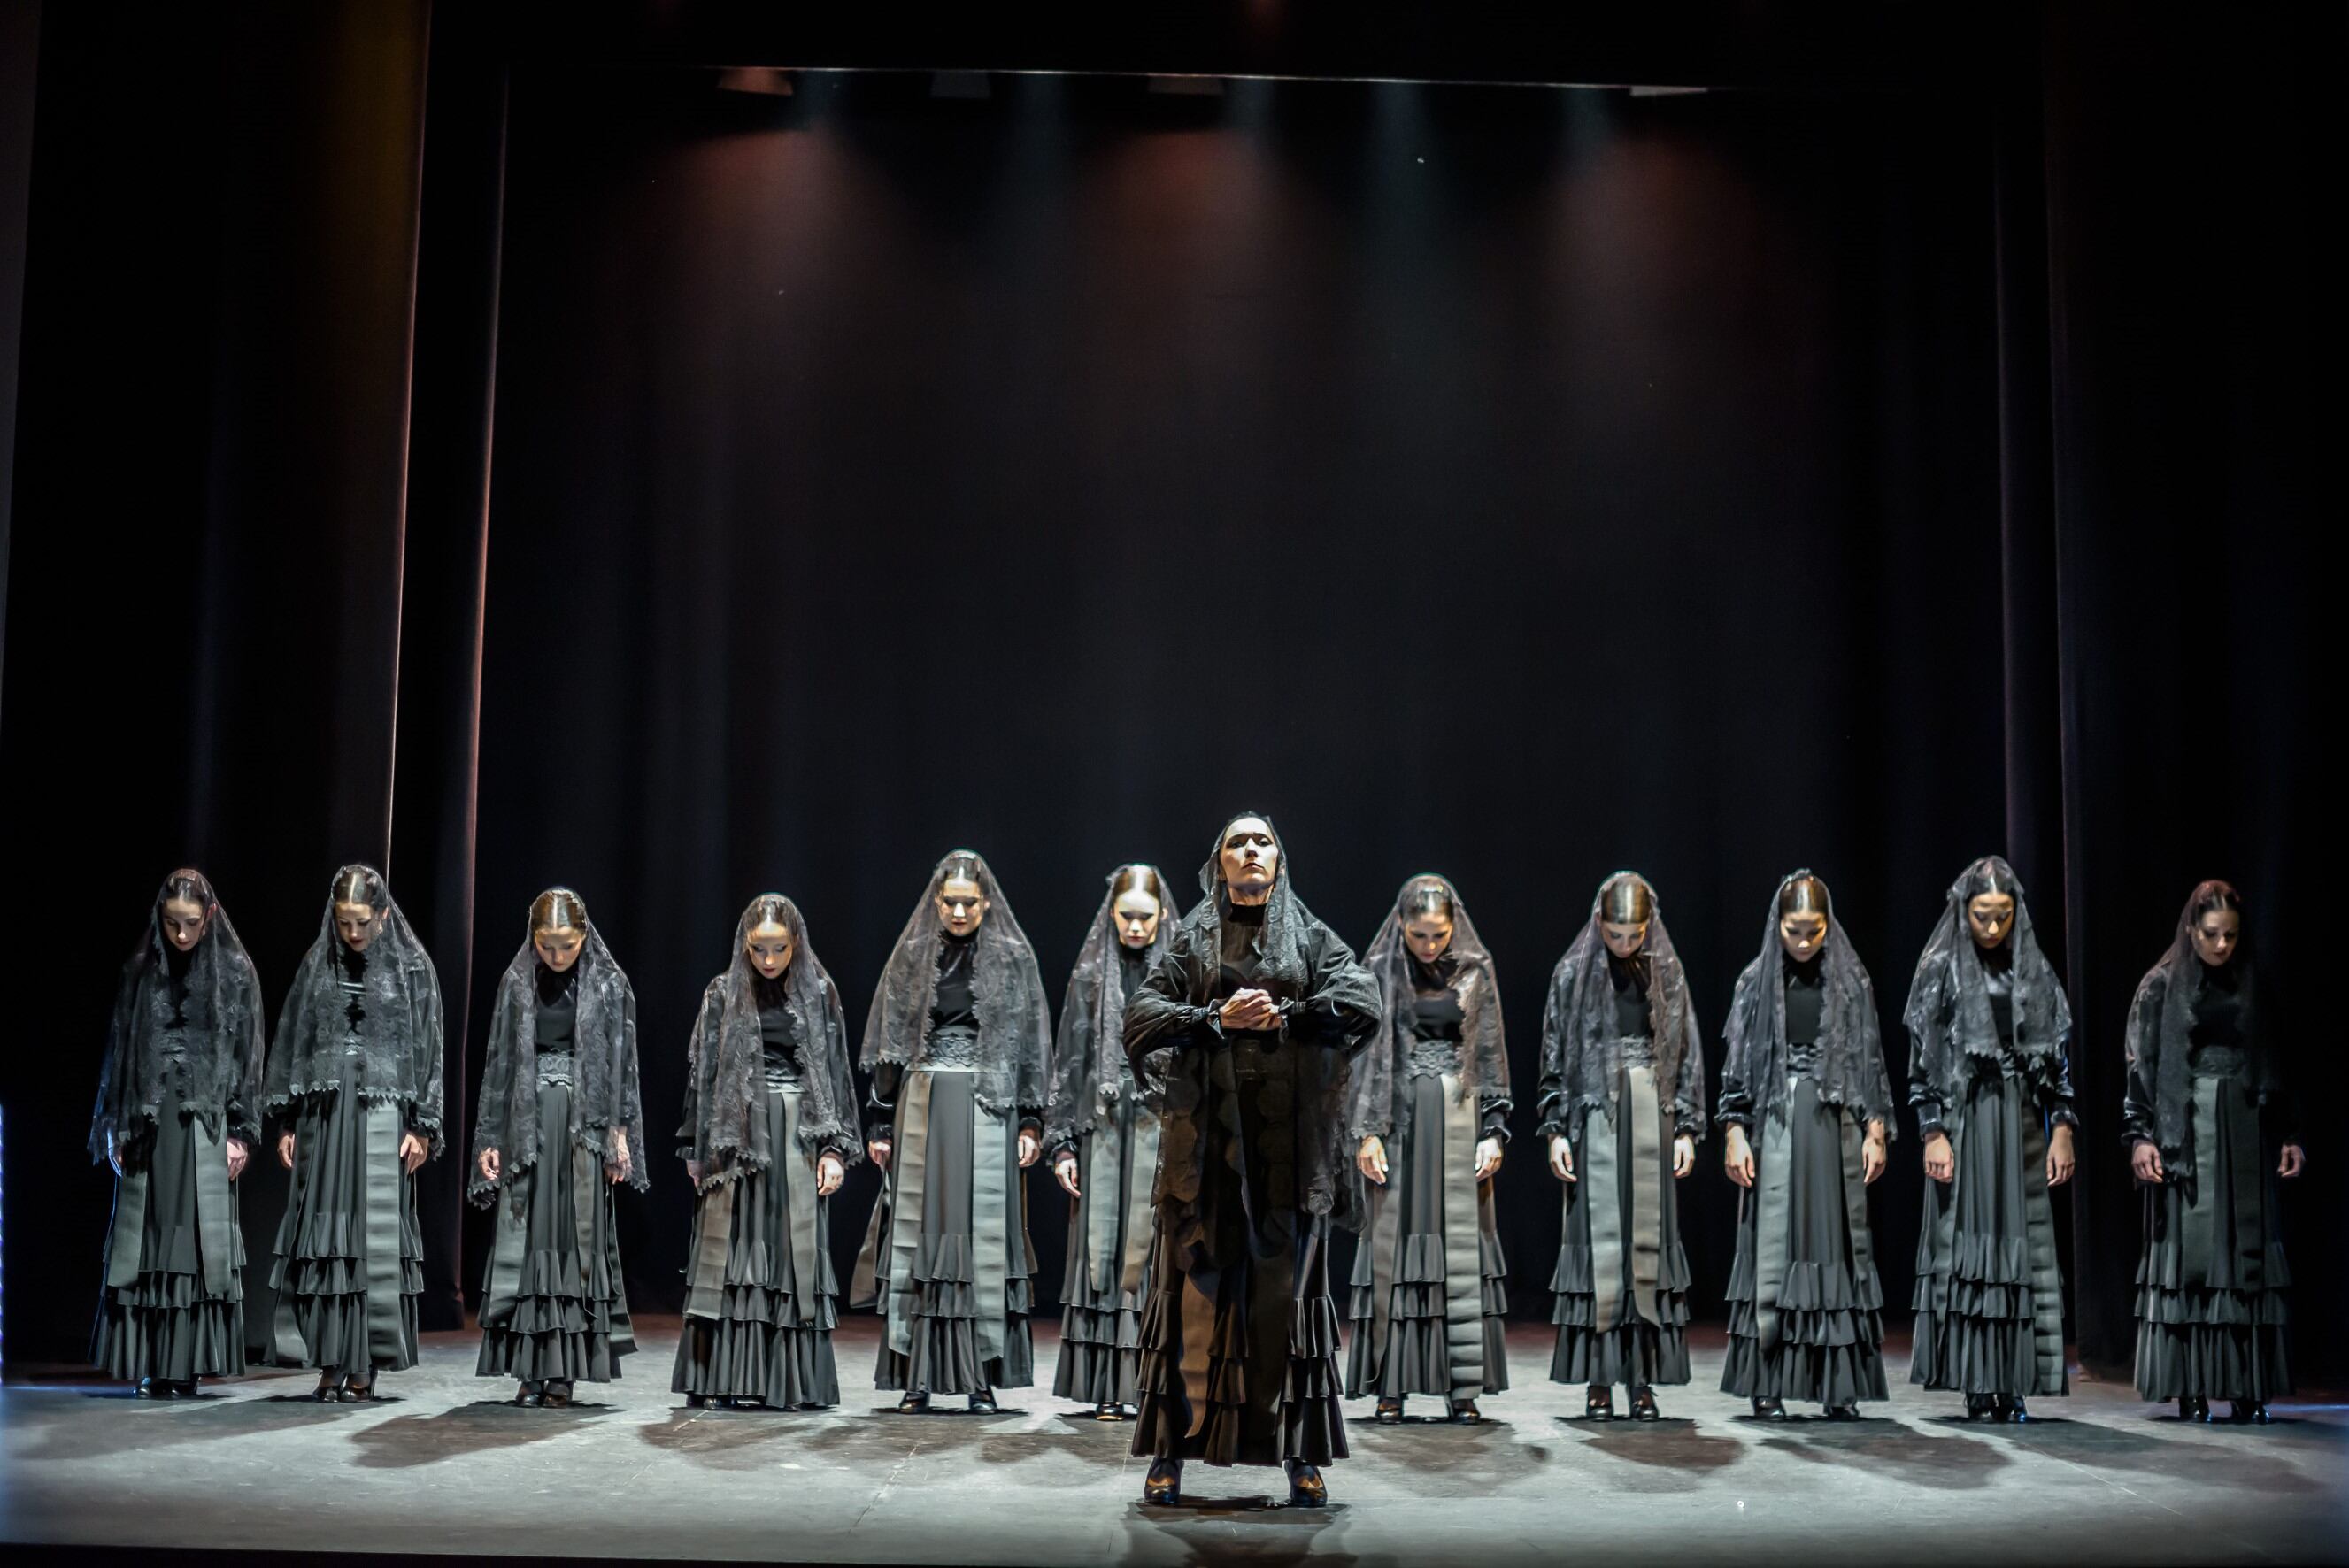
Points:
[2205,1107]
[768,1130]
[957,1043]
[1252,1021]
[1103,1142]
[1622,1093]
[1988,1024]
[353,1098]
[561,1121]
[1807,1106]
[178,1115]
[1429,1120]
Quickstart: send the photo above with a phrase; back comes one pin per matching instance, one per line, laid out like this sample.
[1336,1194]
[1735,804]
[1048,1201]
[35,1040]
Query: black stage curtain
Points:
[1513,482]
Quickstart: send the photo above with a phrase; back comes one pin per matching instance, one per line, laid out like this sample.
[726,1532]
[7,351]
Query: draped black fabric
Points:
[1927,437]
[208,1003]
[2159,1039]
[1847,1062]
[1089,1062]
[1378,1109]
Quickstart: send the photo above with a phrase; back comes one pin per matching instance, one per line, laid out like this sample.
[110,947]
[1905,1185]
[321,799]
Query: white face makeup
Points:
[1990,916]
[559,946]
[961,905]
[1249,859]
[356,924]
[1137,915]
[184,922]
[770,947]
[2217,935]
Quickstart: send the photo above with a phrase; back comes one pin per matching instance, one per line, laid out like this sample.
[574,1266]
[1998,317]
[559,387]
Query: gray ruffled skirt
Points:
[1805,1307]
[1622,1277]
[552,1306]
[1989,1292]
[350,1255]
[2212,1278]
[1432,1246]
[1107,1270]
[173,1306]
[763,1299]
[948,1253]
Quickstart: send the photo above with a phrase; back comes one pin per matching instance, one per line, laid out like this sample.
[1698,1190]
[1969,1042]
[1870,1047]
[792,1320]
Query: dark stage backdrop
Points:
[1518,483]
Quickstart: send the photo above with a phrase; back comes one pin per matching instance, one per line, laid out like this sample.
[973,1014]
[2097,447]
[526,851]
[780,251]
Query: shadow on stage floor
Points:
[444,1464]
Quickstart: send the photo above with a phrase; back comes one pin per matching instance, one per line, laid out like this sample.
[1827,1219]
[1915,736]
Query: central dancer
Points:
[1250,1023]
[955,1043]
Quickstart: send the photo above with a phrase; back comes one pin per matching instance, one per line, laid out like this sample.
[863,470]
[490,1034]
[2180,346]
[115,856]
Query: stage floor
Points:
[443,1466]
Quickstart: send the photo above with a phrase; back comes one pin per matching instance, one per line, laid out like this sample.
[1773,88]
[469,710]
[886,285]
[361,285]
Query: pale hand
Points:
[1871,1154]
[412,1151]
[2059,1154]
[488,1166]
[1031,1146]
[2145,1164]
[1370,1159]
[1249,1009]
[1940,1159]
[1737,1156]
[831,1171]
[2293,1160]
[285,1150]
[238,1156]
[618,1168]
[1683,1155]
[1488,1159]
[114,1155]
[1064,1171]
[877,1150]
[693,1171]
[1561,1157]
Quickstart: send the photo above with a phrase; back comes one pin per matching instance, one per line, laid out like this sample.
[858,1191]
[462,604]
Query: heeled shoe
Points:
[183,1389]
[1389,1413]
[1850,1412]
[147,1388]
[916,1402]
[530,1396]
[1164,1485]
[1983,1408]
[2251,1413]
[354,1392]
[698,1402]
[1305,1487]
[1109,1411]
[329,1389]
[1771,1409]
[1643,1404]
[2010,1408]
[2193,1408]
[1598,1404]
[555,1395]
[982,1402]
[1464,1413]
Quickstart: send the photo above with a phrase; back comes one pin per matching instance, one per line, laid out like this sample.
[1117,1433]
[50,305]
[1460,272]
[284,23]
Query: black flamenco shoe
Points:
[697,1401]
[185,1389]
[1983,1408]
[1389,1413]
[916,1402]
[1305,1487]
[1850,1412]
[982,1402]
[1164,1484]
[2251,1413]
[2193,1408]
[530,1396]
[1598,1404]
[1771,1409]
[357,1393]
[1644,1404]
[1464,1413]
[149,1389]
[2012,1410]
[329,1389]
[556,1395]
[1109,1411]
